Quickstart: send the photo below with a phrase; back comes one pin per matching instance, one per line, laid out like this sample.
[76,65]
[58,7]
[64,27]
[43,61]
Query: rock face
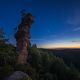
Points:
[18,75]
[23,38]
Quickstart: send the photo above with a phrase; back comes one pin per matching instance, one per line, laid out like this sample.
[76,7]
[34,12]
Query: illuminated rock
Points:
[23,38]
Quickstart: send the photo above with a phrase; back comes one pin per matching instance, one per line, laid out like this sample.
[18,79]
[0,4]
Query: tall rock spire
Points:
[23,38]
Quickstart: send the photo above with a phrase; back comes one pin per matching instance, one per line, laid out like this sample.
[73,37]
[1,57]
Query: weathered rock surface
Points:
[18,75]
[22,37]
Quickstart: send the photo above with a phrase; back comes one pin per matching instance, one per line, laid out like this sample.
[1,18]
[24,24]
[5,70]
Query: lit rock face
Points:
[23,38]
[18,75]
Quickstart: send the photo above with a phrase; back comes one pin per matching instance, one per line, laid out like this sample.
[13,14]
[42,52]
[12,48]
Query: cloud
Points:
[75,41]
[74,18]
[76,29]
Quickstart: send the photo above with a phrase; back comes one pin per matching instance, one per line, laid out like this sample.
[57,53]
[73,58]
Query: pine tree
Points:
[3,40]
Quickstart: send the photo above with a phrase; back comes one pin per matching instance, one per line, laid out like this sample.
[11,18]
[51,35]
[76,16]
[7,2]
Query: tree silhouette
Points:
[2,36]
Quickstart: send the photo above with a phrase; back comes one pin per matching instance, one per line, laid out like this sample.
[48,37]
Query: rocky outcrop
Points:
[23,38]
[18,75]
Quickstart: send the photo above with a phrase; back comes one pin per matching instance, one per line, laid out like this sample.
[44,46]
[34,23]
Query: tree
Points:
[3,40]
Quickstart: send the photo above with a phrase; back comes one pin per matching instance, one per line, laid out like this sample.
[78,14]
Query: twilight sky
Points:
[56,24]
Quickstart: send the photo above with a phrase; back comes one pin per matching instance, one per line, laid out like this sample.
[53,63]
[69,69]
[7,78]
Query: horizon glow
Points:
[61,45]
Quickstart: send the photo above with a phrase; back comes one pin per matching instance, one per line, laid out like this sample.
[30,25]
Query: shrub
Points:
[6,70]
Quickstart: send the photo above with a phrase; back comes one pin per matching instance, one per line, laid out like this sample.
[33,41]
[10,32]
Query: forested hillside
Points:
[41,65]
[70,56]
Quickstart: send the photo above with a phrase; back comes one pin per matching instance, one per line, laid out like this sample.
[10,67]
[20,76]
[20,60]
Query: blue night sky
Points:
[56,24]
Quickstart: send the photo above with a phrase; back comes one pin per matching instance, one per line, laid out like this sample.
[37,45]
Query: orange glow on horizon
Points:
[54,46]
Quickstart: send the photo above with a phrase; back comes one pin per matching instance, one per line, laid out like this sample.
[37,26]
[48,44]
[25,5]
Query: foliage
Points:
[7,54]
[41,65]
[46,64]
[2,36]
[26,78]
[5,71]
[2,33]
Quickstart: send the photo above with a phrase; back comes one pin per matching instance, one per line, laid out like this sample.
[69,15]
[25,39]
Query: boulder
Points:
[18,75]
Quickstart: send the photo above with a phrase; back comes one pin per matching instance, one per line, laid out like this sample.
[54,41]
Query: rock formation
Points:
[23,38]
[18,75]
